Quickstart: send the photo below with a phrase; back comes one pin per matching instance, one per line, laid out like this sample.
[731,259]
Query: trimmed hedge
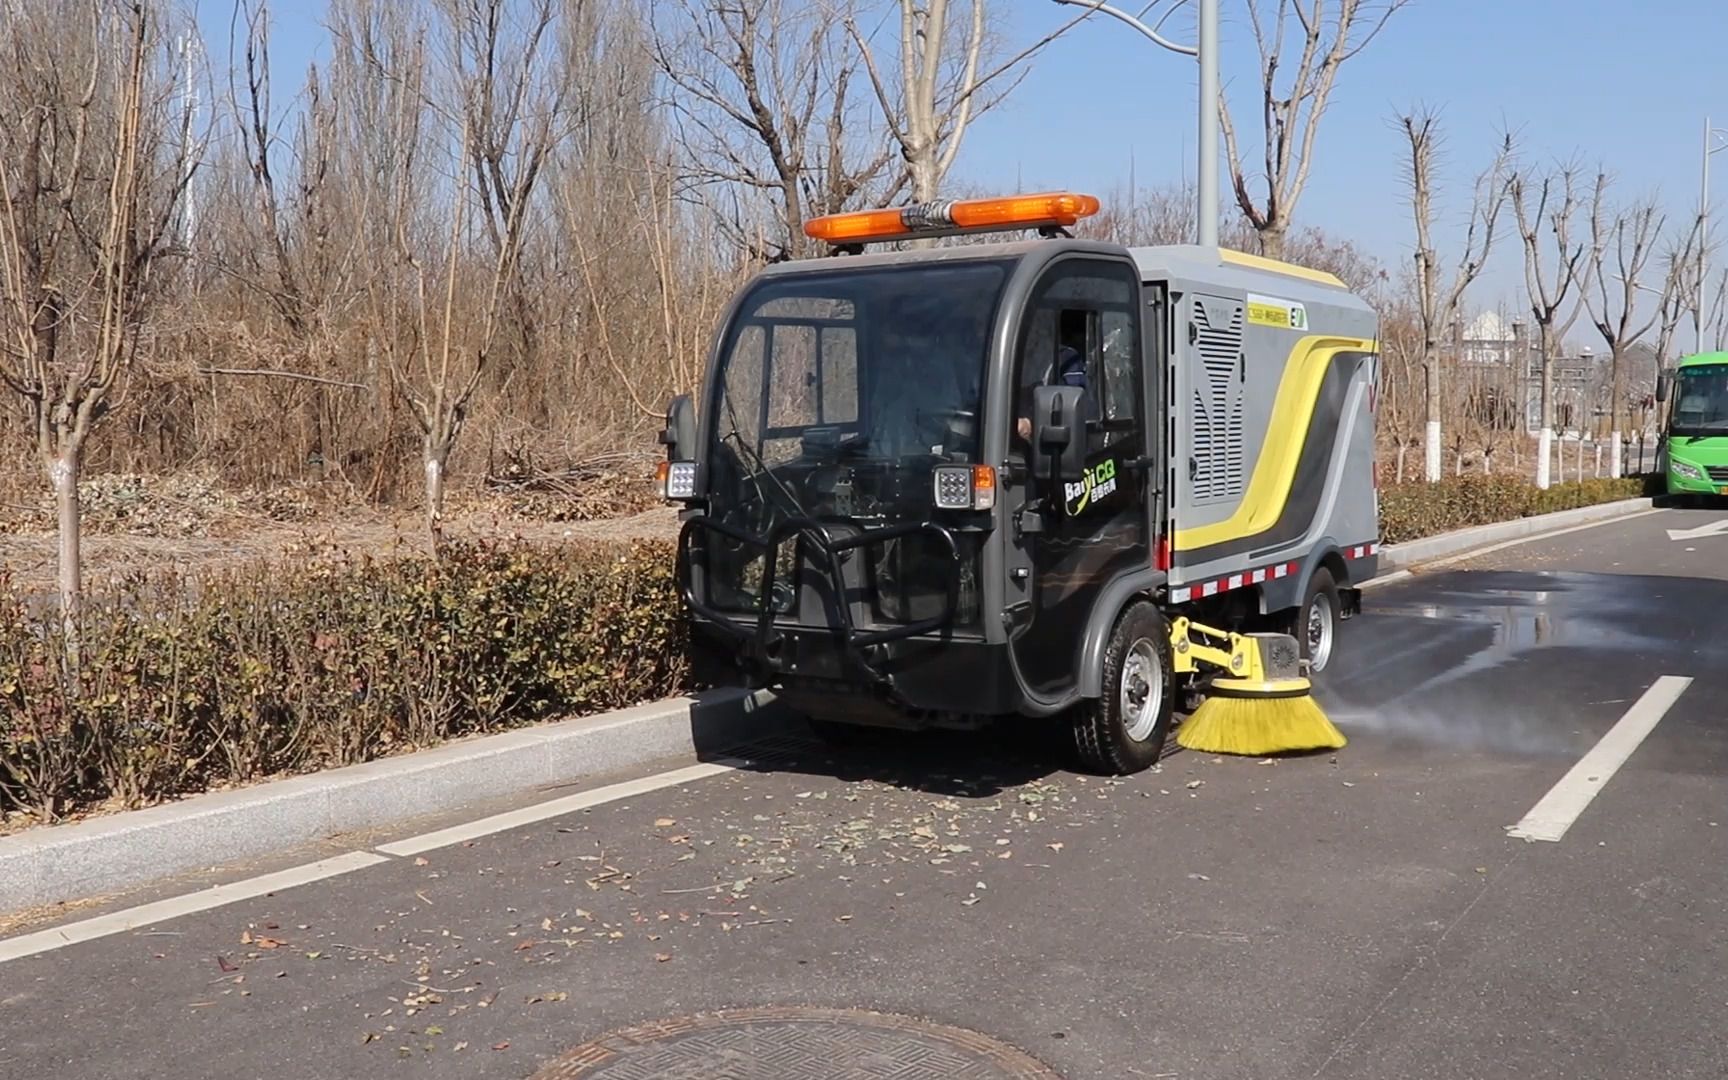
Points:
[279,670]
[1413,511]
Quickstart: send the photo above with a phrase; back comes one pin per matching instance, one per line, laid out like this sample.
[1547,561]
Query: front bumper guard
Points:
[762,642]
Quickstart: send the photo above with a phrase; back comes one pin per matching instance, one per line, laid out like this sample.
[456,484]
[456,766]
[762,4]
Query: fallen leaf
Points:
[546,923]
[501,1046]
[460,1046]
[224,966]
[1055,847]
[368,1036]
[525,945]
[1192,784]
[661,957]
[313,955]
[434,1030]
[1198,877]
[267,943]
[421,860]
[664,823]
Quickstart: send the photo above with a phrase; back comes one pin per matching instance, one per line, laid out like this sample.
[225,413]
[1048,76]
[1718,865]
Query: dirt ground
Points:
[227,540]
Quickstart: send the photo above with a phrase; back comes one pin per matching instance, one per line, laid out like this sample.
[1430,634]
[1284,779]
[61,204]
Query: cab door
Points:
[1072,539]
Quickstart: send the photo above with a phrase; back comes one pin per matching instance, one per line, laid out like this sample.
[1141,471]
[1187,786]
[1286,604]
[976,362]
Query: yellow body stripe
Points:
[1260,262]
[1275,470]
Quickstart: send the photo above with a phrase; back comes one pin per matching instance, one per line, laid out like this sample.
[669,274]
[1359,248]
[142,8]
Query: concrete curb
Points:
[1414,553]
[109,854]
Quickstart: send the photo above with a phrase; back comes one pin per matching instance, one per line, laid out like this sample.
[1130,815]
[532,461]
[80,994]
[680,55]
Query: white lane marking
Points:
[527,815]
[1715,528]
[172,908]
[1550,818]
[1475,553]
[119,922]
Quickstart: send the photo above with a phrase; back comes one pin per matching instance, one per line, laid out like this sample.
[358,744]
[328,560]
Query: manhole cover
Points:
[794,1044]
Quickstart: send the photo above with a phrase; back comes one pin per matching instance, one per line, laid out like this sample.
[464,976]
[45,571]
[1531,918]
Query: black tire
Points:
[1111,737]
[1318,622]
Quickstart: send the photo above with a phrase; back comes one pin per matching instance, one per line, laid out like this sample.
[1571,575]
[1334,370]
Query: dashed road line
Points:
[1554,814]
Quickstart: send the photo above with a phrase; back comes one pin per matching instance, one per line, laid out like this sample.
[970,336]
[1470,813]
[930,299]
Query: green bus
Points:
[1695,434]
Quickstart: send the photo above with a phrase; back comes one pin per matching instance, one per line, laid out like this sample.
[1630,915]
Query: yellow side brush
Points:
[1263,706]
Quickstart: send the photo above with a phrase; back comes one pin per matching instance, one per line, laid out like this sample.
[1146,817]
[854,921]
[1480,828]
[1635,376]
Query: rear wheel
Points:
[1317,621]
[1124,730]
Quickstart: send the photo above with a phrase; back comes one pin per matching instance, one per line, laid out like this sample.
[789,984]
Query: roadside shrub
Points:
[1413,511]
[189,684]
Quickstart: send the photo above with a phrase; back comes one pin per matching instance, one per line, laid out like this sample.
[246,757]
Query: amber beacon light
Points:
[1052,210]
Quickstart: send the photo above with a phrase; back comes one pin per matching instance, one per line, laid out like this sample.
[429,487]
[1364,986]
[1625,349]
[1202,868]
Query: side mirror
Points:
[1662,387]
[679,436]
[1058,432]
[678,471]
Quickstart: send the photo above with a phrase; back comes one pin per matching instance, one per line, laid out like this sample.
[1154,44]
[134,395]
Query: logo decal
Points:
[1270,311]
[1098,484]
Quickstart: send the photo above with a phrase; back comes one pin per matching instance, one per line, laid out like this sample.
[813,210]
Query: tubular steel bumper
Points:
[761,643]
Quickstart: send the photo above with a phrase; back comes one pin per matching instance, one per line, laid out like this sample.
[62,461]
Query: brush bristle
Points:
[1258,726]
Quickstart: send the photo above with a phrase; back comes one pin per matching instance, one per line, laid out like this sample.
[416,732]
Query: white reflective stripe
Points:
[1235,581]
[1257,576]
[1178,596]
[1281,571]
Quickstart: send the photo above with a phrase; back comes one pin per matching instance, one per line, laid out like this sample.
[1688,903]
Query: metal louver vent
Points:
[1218,427]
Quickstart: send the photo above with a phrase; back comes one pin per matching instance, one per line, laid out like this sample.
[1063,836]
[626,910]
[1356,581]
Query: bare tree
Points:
[491,124]
[1293,100]
[945,83]
[1681,258]
[97,149]
[1547,203]
[763,100]
[1620,250]
[1438,301]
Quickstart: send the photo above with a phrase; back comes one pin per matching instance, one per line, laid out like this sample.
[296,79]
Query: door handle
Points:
[1193,467]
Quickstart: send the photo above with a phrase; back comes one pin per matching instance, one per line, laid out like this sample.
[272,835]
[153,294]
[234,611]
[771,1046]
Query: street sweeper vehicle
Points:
[942,484]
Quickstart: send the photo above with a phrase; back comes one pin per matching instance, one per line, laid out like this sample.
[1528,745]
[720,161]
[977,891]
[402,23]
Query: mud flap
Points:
[1349,603]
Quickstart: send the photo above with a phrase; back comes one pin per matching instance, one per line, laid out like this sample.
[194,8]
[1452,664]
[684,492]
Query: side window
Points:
[1083,328]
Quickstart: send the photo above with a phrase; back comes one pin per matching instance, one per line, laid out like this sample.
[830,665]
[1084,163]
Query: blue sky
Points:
[1626,84]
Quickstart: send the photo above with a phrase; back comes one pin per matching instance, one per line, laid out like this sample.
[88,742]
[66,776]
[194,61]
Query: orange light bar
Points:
[1052,209]
[858,226]
[1059,209]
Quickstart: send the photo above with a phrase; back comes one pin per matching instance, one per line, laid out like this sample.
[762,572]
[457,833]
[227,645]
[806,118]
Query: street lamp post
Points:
[1715,141]
[1207,53]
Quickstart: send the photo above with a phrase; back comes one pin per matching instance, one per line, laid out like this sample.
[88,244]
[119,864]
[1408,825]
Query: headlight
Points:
[965,487]
[1681,468]
[678,479]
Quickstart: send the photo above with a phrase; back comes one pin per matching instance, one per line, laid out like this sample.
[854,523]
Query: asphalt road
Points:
[1358,915]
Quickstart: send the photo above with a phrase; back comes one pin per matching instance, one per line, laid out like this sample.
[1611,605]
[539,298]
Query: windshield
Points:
[838,395]
[887,363]
[1701,401]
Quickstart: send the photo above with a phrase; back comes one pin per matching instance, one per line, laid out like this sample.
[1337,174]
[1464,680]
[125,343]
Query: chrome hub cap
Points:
[1141,693]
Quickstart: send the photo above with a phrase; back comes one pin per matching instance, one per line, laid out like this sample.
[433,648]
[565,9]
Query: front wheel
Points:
[1124,730]
[1317,621]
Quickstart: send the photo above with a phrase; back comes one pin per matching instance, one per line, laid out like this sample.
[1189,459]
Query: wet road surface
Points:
[1359,915]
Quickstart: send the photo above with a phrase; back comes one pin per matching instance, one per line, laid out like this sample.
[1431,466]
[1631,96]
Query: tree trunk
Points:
[1402,450]
[1545,437]
[437,456]
[1431,412]
[1272,241]
[1615,462]
[63,472]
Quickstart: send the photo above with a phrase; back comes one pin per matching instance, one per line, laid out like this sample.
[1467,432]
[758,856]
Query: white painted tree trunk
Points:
[1431,452]
[1545,458]
[1615,465]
